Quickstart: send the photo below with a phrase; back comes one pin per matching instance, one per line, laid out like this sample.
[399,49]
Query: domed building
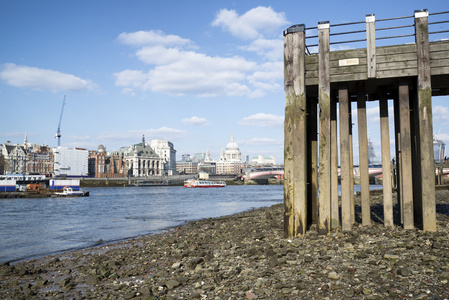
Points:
[230,159]
[232,152]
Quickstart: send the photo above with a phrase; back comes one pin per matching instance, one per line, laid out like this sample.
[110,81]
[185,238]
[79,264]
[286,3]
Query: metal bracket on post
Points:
[421,13]
[323,25]
[294,28]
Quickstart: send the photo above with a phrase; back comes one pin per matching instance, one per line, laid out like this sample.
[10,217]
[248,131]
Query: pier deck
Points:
[316,84]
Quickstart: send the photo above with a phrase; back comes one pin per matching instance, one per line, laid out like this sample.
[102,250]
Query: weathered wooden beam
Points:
[351,162]
[391,62]
[334,166]
[345,173]
[295,133]
[397,131]
[363,155]
[406,157]
[425,121]
[312,152]
[386,169]
[324,128]
[371,45]
[416,156]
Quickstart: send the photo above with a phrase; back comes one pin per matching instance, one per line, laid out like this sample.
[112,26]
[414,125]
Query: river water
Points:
[31,228]
[37,227]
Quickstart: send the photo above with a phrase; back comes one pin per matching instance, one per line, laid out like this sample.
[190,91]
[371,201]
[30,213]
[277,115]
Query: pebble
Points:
[245,256]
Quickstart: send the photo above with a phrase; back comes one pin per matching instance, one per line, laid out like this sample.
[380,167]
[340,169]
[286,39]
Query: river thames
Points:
[32,228]
[37,227]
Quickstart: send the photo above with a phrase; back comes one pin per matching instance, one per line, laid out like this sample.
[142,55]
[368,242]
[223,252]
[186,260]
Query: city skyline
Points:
[191,75]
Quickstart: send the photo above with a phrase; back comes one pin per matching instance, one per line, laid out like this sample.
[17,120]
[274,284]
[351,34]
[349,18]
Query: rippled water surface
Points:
[38,227]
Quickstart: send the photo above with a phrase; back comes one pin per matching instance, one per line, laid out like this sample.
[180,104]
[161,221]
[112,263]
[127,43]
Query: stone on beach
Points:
[245,256]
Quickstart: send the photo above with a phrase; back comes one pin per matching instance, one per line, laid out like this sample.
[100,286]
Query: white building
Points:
[208,166]
[71,162]
[167,153]
[263,160]
[230,159]
[142,161]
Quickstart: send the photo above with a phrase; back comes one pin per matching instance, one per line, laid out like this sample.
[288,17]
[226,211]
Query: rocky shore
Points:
[245,256]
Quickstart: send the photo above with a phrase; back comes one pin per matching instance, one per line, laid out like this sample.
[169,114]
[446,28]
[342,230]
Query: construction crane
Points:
[58,133]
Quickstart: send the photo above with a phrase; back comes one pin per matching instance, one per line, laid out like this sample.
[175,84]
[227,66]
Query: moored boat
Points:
[193,183]
[69,192]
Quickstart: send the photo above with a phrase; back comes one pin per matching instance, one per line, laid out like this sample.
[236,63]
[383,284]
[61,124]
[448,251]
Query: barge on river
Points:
[38,186]
[193,183]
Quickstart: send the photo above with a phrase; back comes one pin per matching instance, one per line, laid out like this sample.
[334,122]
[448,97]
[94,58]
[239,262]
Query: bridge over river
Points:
[375,172]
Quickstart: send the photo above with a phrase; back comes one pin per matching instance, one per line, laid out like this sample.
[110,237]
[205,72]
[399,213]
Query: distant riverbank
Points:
[120,182]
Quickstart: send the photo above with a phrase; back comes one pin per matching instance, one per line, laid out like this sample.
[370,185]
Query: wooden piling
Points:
[371,45]
[425,121]
[345,171]
[386,170]
[416,156]
[351,162]
[324,128]
[397,131]
[295,133]
[334,166]
[312,152]
[406,154]
[363,155]
[378,69]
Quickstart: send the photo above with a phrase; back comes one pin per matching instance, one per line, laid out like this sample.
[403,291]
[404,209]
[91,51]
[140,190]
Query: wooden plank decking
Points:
[392,62]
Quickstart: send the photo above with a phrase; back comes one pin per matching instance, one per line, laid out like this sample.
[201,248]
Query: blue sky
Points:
[191,72]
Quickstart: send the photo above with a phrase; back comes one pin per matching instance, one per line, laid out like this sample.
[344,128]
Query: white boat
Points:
[193,183]
[69,192]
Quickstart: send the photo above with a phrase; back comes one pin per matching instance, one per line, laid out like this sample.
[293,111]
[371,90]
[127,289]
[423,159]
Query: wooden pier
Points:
[409,74]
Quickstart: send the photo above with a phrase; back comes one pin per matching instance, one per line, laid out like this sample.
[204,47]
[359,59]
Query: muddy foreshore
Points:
[245,256]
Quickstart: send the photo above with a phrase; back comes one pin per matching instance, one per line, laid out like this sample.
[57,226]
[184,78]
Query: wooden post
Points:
[371,45]
[363,156]
[397,131]
[295,133]
[324,128]
[406,151]
[334,165]
[386,170]
[345,173]
[312,152]
[351,161]
[416,156]
[425,121]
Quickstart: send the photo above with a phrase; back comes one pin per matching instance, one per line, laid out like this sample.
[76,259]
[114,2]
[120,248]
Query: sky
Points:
[190,72]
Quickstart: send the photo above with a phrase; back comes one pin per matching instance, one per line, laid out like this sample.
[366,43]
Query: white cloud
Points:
[373,114]
[178,72]
[134,136]
[269,49]
[443,136]
[263,120]
[253,24]
[195,121]
[152,37]
[176,68]
[43,79]
[132,78]
[14,134]
[79,138]
[263,142]
[440,113]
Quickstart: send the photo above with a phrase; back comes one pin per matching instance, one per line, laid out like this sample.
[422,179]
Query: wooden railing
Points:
[363,34]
